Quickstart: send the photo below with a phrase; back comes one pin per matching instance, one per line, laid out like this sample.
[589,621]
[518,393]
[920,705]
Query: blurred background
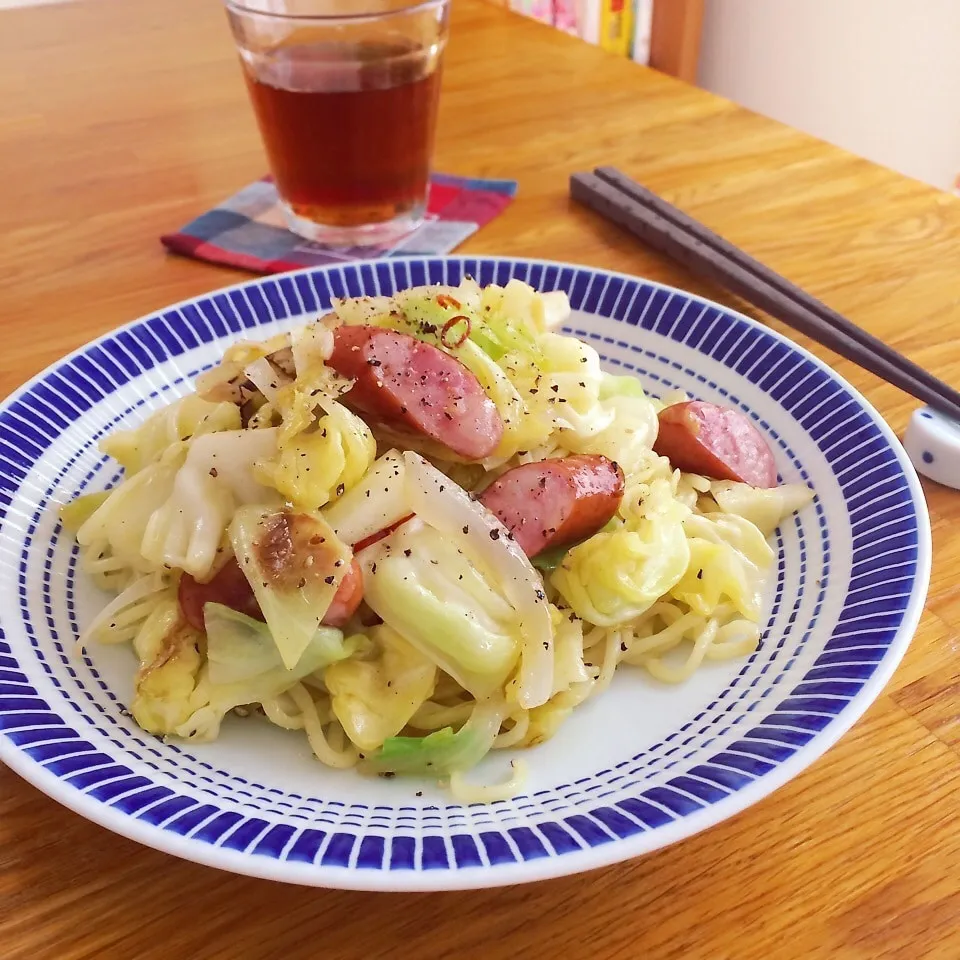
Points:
[878,77]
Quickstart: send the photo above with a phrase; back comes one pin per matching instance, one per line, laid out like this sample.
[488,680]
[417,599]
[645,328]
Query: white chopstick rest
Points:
[932,442]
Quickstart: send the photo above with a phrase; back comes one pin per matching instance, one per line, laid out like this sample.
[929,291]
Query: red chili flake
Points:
[447,302]
[452,344]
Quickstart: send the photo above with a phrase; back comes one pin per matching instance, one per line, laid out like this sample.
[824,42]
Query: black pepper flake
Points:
[583,359]
[316,538]
[419,793]
[403,409]
[540,595]
[302,583]
[542,482]
[213,472]
[582,384]
[407,552]
[554,387]
[327,580]
[494,534]
[338,563]
[466,529]
[546,645]
[373,568]
[340,489]
[699,574]
[368,493]
[388,775]
[460,577]
[449,416]
[534,391]
[562,400]
[372,362]
[389,683]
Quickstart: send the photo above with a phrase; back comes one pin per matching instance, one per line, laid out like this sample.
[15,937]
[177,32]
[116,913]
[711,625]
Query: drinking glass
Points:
[345,93]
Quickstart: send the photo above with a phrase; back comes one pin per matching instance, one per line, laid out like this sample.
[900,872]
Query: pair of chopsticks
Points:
[667,229]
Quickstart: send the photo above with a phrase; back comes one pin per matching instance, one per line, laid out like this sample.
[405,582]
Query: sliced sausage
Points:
[716,442]
[555,502]
[416,387]
[231,588]
[347,598]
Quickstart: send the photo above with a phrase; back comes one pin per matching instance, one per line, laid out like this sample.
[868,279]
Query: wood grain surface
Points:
[120,120]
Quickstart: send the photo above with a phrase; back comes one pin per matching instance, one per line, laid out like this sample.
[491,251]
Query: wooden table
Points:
[122,120]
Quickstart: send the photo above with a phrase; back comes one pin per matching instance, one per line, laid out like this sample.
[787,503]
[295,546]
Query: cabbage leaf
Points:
[375,699]
[294,563]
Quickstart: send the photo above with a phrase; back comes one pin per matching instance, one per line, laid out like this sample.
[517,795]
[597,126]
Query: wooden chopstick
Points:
[682,238]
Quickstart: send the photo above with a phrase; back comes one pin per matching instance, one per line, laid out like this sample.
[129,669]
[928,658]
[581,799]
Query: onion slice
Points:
[446,507]
[267,378]
[137,591]
[377,502]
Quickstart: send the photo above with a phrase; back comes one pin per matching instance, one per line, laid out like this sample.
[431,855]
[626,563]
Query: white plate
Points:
[639,767]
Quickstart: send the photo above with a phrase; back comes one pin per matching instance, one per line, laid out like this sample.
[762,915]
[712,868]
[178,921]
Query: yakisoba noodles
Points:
[422,528]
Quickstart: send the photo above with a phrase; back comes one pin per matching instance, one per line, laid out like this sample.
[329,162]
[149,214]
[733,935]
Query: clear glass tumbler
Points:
[345,93]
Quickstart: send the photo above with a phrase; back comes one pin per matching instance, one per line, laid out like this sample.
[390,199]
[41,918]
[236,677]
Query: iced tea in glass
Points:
[345,93]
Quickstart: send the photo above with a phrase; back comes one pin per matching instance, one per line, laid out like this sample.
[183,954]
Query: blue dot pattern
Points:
[756,724]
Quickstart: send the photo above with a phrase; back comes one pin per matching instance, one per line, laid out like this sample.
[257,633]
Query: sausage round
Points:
[716,442]
[555,502]
[416,387]
[231,588]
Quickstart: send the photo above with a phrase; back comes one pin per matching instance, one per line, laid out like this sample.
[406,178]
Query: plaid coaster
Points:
[247,230]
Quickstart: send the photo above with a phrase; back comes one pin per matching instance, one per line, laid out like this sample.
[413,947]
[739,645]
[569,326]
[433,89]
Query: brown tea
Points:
[348,129]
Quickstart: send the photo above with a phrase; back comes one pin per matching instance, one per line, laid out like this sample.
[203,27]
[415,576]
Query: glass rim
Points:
[415,6]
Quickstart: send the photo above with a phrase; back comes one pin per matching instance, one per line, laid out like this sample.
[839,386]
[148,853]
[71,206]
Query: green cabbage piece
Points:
[294,563]
[119,523]
[612,385]
[181,420]
[425,588]
[168,651]
[765,508]
[616,575]
[729,558]
[76,513]
[318,465]
[443,752]
[374,699]
[244,666]
[186,531]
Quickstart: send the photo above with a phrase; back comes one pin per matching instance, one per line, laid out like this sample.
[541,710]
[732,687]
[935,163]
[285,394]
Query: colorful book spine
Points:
[619,26]
[616,26]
